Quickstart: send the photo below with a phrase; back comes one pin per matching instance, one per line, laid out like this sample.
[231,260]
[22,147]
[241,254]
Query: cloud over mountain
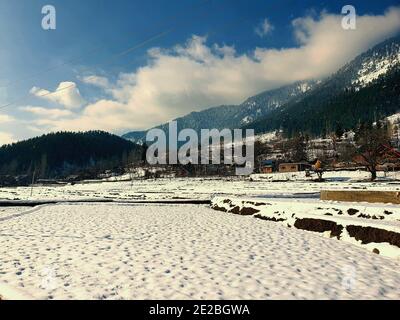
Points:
[196,74]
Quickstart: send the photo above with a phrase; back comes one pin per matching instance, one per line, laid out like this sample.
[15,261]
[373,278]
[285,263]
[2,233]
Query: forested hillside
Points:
[63,153]
[321,112]
[367,89]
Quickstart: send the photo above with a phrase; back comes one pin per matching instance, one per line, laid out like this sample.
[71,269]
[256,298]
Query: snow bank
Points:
[375,227]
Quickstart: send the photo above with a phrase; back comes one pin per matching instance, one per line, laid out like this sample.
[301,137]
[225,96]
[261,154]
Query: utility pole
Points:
[33,181]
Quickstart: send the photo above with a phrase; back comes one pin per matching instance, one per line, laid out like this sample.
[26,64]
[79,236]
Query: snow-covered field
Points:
[375,227]
[155,251]
[113,251]
[5,212]
[204,188]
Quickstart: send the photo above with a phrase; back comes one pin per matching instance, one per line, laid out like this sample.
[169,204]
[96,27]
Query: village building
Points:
[294,167]
[267,166]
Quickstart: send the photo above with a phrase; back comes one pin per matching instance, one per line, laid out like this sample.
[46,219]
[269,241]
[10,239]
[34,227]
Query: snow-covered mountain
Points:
[376,62]
[365,89]
[235,116]
[260,105]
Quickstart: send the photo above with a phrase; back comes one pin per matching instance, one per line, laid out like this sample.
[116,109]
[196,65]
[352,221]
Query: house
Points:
[294,167]
[267,166]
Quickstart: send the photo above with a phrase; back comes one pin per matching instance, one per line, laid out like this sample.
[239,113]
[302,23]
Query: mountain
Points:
[63,153]
[235,116]
[135,137]
[262,104]
[364,90]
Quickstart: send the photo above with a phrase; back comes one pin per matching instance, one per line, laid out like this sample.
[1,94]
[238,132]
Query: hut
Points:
[294,167]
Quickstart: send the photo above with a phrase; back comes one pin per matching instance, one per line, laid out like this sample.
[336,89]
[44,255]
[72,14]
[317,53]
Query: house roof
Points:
[294,163]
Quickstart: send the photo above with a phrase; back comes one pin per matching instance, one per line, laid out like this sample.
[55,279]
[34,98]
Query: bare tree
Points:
[297,148]
[369,142]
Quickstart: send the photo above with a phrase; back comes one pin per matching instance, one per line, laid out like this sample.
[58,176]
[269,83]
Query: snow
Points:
[4,212]
[111,251]
[373,69]
[394,118]
[148,251]
[247,119]
[304,87]
[267,137]
[349,179]
[344,214]
[117,188]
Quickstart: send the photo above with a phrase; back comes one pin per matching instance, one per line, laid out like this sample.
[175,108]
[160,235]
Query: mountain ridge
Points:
[362,84]
[234,116]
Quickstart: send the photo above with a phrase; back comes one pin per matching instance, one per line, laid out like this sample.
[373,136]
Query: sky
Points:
[128,65]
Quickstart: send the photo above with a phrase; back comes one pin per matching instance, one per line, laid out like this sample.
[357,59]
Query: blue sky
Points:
[212,54]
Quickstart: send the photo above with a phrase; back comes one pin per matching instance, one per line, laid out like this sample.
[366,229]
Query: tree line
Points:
[57,155]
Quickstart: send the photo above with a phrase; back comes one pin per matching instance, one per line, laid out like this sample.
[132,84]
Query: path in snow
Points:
[109,251]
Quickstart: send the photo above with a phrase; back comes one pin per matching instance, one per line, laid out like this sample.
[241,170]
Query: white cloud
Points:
[195,75]
[66,94]
[98,81]
[6,138]
[264,28]
[46,112]
[4,118]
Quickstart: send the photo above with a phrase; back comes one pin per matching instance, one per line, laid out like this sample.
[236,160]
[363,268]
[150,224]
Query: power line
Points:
[113,57]
[49,69]
[143,43]
[94,50]
[117,55]
[38,95]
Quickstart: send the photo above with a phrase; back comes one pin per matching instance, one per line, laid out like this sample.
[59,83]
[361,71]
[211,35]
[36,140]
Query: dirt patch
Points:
[367,216]
[215,207]
[370,234]
[352,211]
[245,211]
[318,225]
[235,210]
[259,216]
[248,211]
